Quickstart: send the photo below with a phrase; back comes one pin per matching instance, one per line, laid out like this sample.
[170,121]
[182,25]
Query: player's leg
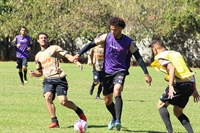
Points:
[19,67]
[24,66]
[178,112]
[185,92]
[108,99]
[118,82]
[163,111]
[94,83]
[99,91]
[118,105]
[99,81]
[49,95]
[61,91]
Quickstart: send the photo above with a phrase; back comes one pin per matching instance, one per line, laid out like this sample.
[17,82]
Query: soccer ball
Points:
[80,126]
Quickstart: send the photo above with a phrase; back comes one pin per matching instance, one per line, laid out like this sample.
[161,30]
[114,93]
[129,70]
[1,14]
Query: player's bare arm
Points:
[38,73]
[171,72]
[71,59]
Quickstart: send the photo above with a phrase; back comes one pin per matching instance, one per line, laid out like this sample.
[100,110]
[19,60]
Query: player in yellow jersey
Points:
[181,84]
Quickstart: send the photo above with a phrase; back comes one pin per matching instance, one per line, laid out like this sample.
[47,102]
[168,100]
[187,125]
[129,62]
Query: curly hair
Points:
[116,21]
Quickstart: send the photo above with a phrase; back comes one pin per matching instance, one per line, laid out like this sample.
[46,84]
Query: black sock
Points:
[166,118]
[99,90]
[54,119]
[186,123]
[118,107]
[25,72]
[21,77]
[111,109]
[93,85]
[79,111]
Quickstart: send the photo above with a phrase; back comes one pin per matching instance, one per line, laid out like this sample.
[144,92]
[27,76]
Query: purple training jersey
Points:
[115,54]
[22,51]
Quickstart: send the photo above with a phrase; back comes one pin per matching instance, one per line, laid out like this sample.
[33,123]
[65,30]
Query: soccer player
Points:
[96,58]
[48,64]
[23,46]
[117,46]
[181,84]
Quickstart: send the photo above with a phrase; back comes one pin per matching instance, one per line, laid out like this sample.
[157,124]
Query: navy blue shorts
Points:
[110,80]
[21,62]
[181,98]
[97,76]
[59,86]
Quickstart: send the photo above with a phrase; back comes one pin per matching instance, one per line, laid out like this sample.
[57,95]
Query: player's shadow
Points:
[92,126]
[124,129]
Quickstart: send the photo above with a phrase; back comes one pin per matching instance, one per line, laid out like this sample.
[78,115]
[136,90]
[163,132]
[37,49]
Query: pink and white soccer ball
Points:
[80,126]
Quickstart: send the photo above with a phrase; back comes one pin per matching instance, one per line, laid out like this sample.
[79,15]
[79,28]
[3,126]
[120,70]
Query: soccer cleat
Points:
[118,126]
[91,90]
[82,117]
[111,124]
[22,83]
[53,125]
[25,81]
[98,98]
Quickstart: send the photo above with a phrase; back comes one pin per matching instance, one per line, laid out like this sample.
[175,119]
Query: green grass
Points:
[23,110]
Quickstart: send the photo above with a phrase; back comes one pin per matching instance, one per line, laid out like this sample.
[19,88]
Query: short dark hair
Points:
[117,21]
[157,40]
[23,27]
[42,33]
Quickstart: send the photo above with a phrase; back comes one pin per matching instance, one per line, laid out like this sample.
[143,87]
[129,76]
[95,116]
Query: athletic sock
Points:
[111,109]
[166,118]
[186,123]
[118,107]
[21,77]
[99,90]
[25,72]
[54,119]
[79,111]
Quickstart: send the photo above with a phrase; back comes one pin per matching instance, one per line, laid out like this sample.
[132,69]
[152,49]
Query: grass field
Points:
[23,110]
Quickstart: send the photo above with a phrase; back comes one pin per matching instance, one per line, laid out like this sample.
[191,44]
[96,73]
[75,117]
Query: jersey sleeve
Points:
[37,63]
[163,62]
[100,40]
[133,47]
[60,51]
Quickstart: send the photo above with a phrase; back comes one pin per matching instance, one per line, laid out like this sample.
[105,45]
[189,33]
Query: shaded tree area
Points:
[175,21]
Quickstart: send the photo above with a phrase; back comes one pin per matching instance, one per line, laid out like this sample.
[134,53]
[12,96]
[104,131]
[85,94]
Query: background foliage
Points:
[174,20]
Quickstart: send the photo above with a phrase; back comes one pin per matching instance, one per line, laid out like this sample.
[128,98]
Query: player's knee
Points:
[177,111]
[160,104]
[63,102]
[107,101]
[48,97]
[96,83]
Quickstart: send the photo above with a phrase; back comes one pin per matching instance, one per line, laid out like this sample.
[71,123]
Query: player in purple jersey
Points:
[22,44]
[117,46]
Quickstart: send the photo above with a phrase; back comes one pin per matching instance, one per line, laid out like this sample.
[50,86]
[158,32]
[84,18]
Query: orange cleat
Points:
[53,125]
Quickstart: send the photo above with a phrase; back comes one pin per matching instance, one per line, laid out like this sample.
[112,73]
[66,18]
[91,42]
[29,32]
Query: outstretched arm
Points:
[140,61]
[38,73]
[84,49]
[70,58]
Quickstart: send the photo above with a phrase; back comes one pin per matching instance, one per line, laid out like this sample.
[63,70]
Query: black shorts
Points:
[97,76]
[21,62]
[110,80]
[59,86]
[181,98]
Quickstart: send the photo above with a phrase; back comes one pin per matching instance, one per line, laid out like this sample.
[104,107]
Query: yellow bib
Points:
[181,72]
